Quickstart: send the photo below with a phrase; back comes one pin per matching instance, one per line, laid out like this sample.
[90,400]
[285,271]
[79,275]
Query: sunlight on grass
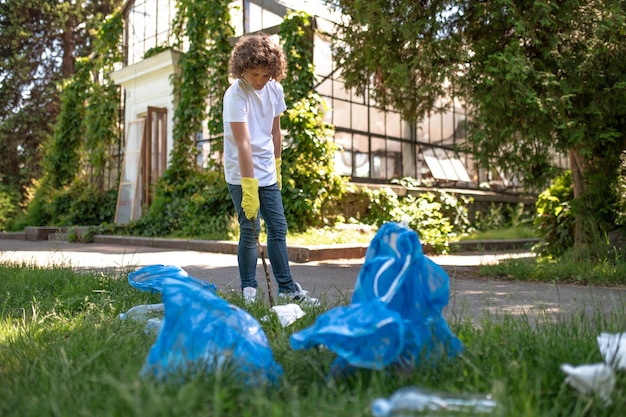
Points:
[519,232]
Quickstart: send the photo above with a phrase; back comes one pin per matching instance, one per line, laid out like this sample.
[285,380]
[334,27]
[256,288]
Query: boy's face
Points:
[257,77]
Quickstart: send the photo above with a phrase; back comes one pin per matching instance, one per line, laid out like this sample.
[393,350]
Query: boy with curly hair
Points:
[253,105]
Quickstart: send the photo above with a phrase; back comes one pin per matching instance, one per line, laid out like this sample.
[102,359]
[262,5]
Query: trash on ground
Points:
[288,313]
[154,325]
[142,312]
[613,349]
[202,332]
[598,379]
[413,401]
[150,278]
[396,312]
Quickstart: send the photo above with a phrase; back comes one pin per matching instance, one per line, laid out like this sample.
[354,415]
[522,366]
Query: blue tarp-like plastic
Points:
[150,278]
[396,312]
[202,332]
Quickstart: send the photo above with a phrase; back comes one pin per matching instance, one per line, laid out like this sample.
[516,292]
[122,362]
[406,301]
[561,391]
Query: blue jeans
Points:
[273,213]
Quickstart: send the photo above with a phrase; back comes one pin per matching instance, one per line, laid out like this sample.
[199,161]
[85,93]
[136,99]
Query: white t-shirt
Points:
[258,108]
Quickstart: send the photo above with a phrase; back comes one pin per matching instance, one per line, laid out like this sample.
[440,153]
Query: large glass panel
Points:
[378,159]
[325,88]
[341,113]
[447,132]
[377,121]
[361,156]
[359,117]
[343,155]
[423,130]
[394,159]
[393,125]
[408,159]
[339,91]
[432,161]
[322,56]
[435,128]
[446,164]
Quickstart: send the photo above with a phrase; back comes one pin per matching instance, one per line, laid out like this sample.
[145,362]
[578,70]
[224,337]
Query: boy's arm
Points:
[277,137]
[242,140]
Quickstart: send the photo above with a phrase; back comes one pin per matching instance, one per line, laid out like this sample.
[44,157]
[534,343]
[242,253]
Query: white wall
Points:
[148,84]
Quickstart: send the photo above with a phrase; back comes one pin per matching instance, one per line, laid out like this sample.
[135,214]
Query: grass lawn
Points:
[64,352]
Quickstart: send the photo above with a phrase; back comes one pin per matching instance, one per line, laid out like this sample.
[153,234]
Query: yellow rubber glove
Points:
[279,176]
[250,197]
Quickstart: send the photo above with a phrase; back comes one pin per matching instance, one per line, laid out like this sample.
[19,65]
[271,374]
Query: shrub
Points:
[554,218]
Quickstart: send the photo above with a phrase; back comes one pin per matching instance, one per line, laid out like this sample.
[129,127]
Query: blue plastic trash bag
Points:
[398,300]
[367,335]
[150,278]
[202,332]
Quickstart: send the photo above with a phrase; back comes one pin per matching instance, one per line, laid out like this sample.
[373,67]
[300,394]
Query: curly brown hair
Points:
[257,50]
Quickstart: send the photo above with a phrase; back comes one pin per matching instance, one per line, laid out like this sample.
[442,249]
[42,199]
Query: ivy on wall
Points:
[205,25]
[311,186]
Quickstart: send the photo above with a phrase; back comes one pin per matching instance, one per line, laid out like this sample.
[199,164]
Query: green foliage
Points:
[62,158]
[9,205]
[554,218]
[620,192]
[190,202]
[501,215]
[85,131]
[539,78]
[203,73]
[311,187]
[436,217]
[199,206]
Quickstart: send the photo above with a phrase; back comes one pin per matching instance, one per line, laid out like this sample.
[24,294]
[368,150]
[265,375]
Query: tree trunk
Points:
[68,47]
[576,166]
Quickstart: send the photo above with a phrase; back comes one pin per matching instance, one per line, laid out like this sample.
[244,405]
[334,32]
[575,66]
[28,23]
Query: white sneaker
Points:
[300,296]
[249,295]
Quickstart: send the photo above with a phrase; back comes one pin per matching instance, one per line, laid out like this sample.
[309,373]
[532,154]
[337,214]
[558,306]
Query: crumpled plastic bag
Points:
[150,278]
[202,332]
[396,312]
[598,379]
[288,313]
[613,349]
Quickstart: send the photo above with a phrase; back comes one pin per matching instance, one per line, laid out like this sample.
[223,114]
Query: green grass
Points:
[585,272]
[517,232]
[64,352]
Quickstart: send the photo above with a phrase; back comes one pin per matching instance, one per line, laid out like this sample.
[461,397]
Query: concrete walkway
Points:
[471,297]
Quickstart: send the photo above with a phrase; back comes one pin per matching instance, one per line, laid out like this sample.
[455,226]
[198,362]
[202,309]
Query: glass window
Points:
[359,117]
[393,125]
[409,162]
[361,156]
[394,159]
[343,155]
[377,121]
[341,113]
[378,159]
[435,128]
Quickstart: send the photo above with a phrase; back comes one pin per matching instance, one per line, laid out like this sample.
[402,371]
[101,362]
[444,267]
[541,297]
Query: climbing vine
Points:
[203,74]
[190,201]
[311,186]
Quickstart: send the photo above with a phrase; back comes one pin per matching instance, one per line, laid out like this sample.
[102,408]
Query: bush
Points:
[9,208]
[436,217]
[554,217]
[197,206]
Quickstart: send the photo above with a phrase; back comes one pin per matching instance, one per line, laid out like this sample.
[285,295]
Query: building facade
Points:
[376,145]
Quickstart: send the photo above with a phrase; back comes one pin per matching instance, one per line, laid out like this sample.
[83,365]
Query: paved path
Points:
[470,297]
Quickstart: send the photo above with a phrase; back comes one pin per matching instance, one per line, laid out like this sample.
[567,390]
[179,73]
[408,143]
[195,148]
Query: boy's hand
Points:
[279,176]
[250,197]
